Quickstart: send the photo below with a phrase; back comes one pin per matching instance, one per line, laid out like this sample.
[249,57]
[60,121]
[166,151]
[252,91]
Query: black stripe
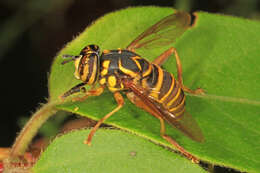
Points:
[173,92]
[180,109]
[128,63]
[144,64]
[82,65]
[98,67]
[177,101]
[113,65]
[90,65]
[166,84]
[153,77]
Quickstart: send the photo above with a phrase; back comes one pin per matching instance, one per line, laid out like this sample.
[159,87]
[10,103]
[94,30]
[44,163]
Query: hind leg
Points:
[164,56]
[144,104]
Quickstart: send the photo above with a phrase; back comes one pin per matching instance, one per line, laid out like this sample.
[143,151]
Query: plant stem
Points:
[31,128]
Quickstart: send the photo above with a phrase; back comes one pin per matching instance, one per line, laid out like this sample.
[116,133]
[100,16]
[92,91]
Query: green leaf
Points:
[111,151]
[219,54]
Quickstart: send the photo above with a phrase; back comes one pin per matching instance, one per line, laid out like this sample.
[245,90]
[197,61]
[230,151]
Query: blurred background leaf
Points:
[131,154]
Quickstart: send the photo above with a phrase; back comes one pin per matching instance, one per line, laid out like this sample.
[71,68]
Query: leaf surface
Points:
[219,54]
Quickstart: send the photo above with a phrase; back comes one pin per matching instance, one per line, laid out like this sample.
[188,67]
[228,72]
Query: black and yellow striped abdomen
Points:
[165,90]
[159,84]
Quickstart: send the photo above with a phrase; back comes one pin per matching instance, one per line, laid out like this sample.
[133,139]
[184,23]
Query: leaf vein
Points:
[228,99]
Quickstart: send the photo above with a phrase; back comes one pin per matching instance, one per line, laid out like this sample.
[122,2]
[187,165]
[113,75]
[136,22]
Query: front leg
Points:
[93,92]
[80,88]
[120,102]
[73,90]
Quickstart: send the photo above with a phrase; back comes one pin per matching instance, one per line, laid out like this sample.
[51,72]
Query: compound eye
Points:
[90,49]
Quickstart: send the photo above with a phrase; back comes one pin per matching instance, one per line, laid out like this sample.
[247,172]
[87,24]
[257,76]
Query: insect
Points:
[145,83]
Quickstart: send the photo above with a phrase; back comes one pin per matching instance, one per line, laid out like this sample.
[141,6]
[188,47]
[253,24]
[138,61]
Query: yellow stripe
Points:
[85,72]
[125,70]
[136,62]
[111,81]
[89,51]
[175,98]
[122,85]
[113,89]
[106,63]
[156,90]
[148,71]
[104,72]
[144,83]
[179,113]
[102,81]
[178,106]
[170,90]
[76,73]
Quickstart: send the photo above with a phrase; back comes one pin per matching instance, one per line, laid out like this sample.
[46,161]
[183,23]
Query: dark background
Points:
[33,31]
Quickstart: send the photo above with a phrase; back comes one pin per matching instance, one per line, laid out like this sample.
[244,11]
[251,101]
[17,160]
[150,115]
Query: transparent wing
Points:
[163,32]
[186,124]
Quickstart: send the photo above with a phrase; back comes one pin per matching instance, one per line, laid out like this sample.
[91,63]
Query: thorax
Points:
[116,64]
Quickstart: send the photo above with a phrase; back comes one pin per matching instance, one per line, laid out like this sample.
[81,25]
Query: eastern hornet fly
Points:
[146,84]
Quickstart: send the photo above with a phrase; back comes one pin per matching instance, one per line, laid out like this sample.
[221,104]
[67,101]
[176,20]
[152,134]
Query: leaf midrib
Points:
[229,116]
[227,99]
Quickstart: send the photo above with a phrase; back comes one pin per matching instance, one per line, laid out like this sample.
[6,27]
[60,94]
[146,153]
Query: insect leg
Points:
[73,90]
[180,80]
[180,148]
[164,56]
[93,92]
[138,102]
[120,102]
